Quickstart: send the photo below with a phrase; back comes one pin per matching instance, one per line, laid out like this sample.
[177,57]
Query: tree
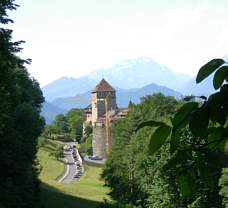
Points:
[88,130]
[49,131]
[206,123]
[86,145]
[66,127]
[75,120]
[60,124]
[57,152]
[20,122]
[132,175]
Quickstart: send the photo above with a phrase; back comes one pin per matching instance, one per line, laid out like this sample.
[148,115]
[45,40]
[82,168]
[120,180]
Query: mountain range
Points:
[128,74]
[122,97]
[67,86]
[132,78]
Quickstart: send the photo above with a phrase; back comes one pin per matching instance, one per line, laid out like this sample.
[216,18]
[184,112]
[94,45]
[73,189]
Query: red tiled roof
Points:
[110,119]
[103,86]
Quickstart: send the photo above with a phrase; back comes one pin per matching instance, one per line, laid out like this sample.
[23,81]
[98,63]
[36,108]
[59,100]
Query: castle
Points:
[95,115]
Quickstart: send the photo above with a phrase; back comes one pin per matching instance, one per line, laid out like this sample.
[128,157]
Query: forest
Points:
[170,153]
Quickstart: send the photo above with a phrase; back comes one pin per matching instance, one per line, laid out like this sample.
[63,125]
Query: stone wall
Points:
[99,139]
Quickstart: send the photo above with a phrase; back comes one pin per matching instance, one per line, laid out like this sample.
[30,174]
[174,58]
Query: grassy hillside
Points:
[86,192]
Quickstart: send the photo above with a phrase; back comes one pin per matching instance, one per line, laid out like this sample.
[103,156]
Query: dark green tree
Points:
[133,175]
[20,122]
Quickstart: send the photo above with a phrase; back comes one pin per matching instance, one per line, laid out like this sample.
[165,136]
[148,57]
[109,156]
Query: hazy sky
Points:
[73,37]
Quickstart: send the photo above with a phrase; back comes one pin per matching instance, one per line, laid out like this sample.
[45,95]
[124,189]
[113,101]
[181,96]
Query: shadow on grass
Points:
[52,197]
[48,149]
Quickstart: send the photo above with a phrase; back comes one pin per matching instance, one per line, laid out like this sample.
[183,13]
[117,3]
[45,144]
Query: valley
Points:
[88,191]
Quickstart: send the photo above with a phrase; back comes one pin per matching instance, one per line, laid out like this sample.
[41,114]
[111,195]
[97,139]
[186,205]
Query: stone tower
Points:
[98,106]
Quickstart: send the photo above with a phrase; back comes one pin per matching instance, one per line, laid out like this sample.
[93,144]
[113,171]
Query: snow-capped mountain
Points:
[138,72]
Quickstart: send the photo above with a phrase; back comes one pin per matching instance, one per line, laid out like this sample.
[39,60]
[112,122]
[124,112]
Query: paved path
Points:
[71,168]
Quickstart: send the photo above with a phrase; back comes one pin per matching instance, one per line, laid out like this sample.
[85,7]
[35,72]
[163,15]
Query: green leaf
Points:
[205,175]
[212,158]
[218,134]
[224,89]
[220,76]
[181,114]
[158,138]
[150,123]
[226,78]
[208,68]
[187,183]
[199,122]
[178,159]
[221,116]
[175,141]
[216,104]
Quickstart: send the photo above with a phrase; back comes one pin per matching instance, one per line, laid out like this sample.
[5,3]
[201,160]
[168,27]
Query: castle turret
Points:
[98,105]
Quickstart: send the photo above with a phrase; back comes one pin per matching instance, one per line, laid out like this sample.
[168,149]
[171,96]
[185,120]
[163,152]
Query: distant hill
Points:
[122,96]
[203,88]
[128,74]
[69,103]
[49,111]
[65,87]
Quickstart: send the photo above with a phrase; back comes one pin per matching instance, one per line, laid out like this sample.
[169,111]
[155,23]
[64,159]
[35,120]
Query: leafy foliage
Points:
[162,132]
[57,152]
[75,120]
[60,124]
[86,145]
[88,130]
[20,123]
[42,142]
[223,182]
[133,175]
[205,123]
[66,127]
[107,204]
[208,69]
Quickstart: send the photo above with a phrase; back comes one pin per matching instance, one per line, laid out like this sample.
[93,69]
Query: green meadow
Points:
[88,191]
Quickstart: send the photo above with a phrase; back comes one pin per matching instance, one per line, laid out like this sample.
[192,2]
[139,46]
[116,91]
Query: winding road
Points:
[71,168]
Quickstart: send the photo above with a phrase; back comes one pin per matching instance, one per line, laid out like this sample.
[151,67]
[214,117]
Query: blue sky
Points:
[74,37]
